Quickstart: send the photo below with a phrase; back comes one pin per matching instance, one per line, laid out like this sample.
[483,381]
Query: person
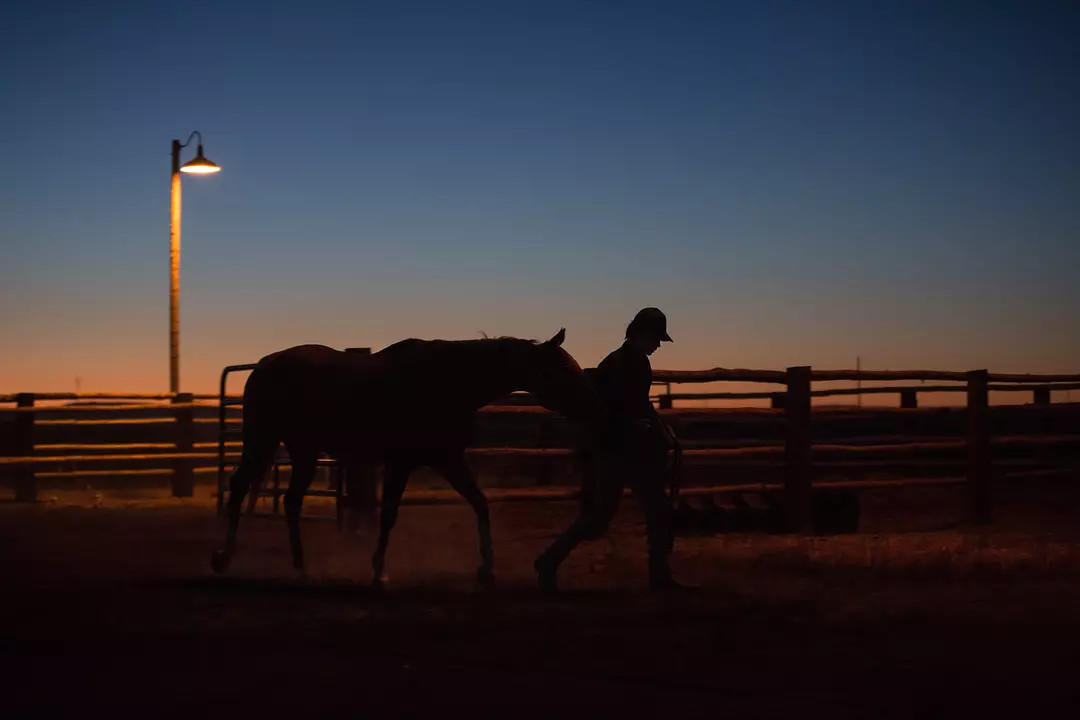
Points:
[633,447]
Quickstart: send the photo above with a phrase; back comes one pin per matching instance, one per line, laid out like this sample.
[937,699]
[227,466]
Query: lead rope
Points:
[675,479]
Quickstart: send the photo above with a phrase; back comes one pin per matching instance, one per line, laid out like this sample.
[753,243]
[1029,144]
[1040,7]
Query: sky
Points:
[792,183]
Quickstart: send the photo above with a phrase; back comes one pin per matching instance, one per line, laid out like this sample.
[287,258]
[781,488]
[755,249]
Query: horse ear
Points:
[557,340]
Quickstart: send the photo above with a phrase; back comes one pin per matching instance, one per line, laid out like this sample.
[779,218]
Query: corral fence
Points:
[57,437]
[1040,386]
[795,401]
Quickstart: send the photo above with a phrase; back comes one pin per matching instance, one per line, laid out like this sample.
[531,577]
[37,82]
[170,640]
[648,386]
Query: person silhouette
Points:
[632,450]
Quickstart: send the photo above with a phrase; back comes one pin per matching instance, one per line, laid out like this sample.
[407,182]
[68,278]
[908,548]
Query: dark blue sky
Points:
[794,183]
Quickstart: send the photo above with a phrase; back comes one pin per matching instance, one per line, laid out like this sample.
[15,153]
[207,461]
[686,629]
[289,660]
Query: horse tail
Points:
[260,442]
[259,437]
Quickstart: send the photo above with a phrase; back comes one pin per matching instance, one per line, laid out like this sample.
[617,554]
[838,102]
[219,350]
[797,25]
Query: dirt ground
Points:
[109,604]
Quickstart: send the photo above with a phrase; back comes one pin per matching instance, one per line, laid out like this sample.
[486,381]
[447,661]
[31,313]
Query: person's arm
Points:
[652,415]
[638,385]
[635,402]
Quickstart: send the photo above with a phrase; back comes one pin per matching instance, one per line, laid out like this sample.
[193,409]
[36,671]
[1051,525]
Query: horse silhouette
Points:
[410,404]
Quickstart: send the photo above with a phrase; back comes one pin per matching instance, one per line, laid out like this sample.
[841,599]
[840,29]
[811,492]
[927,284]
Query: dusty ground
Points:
[109,604]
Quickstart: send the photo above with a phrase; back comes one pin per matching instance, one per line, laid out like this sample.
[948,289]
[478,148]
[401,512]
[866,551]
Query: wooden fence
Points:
[166,434]
[1040,386]
[795,398]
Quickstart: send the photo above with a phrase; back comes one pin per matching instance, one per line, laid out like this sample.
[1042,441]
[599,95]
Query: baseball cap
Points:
[653,319]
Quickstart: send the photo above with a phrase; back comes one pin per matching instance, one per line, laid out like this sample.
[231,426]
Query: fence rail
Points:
[13,397]
[780,376]
[172,438]
[908,394]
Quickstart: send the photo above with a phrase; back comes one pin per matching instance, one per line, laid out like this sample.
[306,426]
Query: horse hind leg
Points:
[255,460]
[459,475]
[303,471]
[253,493]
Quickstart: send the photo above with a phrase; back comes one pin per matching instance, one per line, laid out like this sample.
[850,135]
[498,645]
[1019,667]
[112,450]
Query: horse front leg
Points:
[397,474]
[303,471]
[461,478]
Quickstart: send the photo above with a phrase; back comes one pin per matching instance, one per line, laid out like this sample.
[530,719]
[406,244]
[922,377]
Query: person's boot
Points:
[660,578]
[670,583]
[545,575]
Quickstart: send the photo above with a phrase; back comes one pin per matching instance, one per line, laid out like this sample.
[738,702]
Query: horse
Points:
[408,405]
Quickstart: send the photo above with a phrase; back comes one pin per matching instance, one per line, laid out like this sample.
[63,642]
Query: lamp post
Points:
[199,166]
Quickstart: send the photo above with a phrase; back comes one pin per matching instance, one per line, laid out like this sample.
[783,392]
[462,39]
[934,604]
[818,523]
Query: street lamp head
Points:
[200,165]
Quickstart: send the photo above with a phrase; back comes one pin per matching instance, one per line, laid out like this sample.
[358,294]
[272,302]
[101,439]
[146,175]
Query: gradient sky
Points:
[793,183]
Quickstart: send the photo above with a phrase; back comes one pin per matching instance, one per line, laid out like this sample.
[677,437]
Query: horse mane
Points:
[460,348]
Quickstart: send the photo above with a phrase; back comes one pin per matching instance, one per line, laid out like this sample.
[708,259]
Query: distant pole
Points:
[858,380]
[174,272]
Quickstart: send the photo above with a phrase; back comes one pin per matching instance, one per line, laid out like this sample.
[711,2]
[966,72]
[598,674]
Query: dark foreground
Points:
[114,608]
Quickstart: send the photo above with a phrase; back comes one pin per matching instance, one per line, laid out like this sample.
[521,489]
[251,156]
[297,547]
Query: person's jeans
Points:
[636,458]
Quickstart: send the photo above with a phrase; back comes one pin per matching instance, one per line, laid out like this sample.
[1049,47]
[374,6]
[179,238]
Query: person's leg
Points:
[649,491]
[601,491]
[649,488]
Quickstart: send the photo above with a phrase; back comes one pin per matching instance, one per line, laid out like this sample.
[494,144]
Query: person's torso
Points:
[623,380]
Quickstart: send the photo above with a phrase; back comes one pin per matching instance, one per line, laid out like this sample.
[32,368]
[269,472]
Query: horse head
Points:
[559,383]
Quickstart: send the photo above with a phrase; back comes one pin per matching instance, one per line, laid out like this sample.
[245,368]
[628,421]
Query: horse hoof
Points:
[219,561]
[485,578]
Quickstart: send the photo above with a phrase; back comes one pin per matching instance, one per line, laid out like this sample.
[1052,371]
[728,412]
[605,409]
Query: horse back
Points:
[333,399]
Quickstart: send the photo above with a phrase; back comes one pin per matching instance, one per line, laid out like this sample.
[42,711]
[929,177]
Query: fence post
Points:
[1041,396]
[543,440]
[183,482]
[978,417]
[665,401]
[778,401]
[25,484]
[797,479]
[909,399]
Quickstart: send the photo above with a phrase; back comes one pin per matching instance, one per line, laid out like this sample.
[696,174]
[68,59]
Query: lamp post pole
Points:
[199,166]
[174,272]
